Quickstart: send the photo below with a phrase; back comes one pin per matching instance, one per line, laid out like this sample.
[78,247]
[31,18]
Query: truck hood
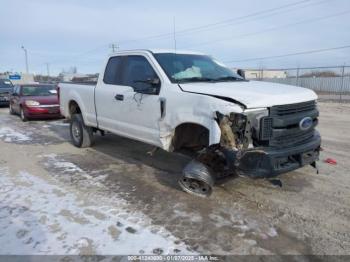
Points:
[253,94]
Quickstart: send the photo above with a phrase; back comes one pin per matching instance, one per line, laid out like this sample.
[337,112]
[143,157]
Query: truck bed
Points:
[81,93]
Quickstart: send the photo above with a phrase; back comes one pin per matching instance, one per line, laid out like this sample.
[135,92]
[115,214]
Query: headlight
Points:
[32,103]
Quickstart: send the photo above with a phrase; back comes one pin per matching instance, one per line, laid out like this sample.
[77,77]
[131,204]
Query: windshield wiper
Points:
[196,79]
[229,78]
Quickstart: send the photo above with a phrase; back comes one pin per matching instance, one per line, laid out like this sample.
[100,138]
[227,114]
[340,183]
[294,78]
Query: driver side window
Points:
[137,72]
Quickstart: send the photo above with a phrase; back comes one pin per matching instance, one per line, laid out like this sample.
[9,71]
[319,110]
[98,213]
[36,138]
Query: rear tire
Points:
[22,115]
[81,135]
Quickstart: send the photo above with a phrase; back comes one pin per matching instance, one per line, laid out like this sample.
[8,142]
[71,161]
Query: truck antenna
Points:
[174,32]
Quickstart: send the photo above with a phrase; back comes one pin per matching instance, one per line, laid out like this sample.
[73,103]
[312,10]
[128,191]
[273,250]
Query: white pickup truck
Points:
[189,102]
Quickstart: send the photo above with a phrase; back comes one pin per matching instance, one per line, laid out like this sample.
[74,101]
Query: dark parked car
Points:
[35,101]
[5,91]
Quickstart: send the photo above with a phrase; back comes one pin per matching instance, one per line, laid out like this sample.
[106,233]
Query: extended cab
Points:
[186,101]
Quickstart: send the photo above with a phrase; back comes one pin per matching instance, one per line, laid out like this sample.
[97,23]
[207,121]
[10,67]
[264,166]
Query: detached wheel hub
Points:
[197,179]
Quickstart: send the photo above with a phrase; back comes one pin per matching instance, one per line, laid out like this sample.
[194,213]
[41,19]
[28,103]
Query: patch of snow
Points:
[194,217]
[272,232]
[235,220]
[67,167]
[59,124]
[10,135]
[38,216]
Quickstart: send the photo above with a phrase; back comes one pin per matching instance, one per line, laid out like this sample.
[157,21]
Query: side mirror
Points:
[241,73]
[149,87]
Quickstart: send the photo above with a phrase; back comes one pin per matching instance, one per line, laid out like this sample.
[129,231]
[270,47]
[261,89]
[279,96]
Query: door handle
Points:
[119,97]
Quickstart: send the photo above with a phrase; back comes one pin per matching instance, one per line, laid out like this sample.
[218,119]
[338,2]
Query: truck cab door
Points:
[119,108]
[140,111]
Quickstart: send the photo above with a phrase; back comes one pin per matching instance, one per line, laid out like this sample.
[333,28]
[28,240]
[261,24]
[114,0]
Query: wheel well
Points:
[190,136]
[74,108]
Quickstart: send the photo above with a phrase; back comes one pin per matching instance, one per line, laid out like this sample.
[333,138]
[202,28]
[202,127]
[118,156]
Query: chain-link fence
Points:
[330,83]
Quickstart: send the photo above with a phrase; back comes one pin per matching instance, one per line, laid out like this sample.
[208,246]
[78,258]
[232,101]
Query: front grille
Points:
[281,127]
[266,128]
[284,110]
[292,139]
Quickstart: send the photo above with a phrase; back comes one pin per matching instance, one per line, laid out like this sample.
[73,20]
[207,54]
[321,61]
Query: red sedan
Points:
[36,101]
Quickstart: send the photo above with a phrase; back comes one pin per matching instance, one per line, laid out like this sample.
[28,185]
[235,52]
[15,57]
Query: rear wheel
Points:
[23,116]
[197,179]
[81,135]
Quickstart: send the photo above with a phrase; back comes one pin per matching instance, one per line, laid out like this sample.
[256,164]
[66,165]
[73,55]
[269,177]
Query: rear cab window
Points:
[112,75]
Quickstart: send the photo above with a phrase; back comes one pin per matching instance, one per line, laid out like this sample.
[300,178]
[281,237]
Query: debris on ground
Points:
[330,161]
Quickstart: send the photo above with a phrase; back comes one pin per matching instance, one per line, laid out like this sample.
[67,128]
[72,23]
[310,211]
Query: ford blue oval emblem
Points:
[306,123]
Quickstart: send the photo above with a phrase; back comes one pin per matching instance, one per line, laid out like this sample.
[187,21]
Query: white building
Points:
[265,73]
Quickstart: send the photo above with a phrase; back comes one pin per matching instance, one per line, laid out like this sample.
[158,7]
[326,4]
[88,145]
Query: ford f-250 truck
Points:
[189,102]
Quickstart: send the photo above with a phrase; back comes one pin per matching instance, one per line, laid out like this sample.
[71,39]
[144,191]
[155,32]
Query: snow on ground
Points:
[37,216]
[9,135]
[59,123]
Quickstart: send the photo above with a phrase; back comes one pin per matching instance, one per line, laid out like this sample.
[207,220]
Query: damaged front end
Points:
[263,143]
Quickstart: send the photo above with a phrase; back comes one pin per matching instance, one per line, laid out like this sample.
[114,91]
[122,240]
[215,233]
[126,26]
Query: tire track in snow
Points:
[39,217]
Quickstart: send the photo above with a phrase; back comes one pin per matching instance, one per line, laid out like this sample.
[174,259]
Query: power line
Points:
[191,29]
[290,54]
[73,57]
[211,26]
[272,29]
[203,27]
[230,21]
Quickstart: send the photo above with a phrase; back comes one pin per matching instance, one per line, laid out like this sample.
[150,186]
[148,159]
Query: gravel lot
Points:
[115,198]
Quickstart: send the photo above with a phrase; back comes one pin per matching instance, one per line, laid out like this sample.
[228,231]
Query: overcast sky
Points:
[78,33]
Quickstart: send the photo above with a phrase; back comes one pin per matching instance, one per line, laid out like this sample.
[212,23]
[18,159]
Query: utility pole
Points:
[48,69]
[115,47]
[26,58]
[297,80]
[342,81]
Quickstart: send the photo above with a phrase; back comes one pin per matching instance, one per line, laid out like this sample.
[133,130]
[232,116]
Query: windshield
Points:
[193,68]
[5,84]
[39,90]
